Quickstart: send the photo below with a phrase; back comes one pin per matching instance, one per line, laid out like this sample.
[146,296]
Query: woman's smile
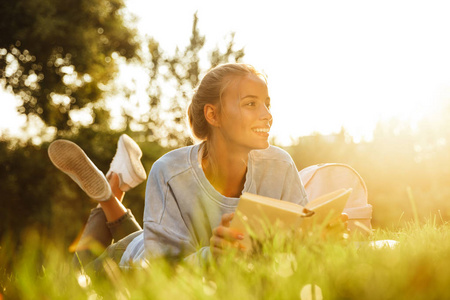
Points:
[262,131]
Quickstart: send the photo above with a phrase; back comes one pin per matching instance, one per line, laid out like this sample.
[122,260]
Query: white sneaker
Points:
[127,164]
[71,159]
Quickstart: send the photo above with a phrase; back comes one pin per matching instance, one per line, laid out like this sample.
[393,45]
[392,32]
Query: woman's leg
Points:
[113,207]
[110,220]
[120,220]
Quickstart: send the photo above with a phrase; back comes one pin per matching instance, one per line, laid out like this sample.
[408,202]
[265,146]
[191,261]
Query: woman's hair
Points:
[210,91]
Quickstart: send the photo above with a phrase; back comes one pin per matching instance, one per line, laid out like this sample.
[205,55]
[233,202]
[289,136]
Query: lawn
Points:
[304,266]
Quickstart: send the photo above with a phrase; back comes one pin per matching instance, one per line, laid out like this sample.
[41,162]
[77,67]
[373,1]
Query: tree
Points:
[181,73]
[36,68]
[58,54]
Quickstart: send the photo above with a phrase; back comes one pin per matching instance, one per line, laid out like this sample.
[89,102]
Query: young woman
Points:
[193,191]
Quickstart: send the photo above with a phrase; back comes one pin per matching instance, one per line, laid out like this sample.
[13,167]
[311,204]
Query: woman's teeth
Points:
[261,129]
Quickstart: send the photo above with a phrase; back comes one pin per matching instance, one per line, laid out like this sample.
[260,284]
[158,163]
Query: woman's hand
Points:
[224,237]
[337,228]
[344,219]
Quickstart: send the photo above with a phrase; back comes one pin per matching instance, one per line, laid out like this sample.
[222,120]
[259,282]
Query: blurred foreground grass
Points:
[417,268]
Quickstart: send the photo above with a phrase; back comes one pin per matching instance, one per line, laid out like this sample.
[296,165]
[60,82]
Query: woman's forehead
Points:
[250,84]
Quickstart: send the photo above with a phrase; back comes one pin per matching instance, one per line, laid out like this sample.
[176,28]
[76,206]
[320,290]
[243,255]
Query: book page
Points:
[257,216]
[275,203]
[327,208]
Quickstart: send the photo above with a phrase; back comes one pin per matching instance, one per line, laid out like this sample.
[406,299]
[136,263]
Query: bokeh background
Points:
[361,85]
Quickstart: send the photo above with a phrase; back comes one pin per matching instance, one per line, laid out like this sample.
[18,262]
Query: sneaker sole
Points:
[72,160]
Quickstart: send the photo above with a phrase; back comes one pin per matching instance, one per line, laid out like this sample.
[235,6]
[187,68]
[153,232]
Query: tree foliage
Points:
[57,54]
[180,73]
[58,57]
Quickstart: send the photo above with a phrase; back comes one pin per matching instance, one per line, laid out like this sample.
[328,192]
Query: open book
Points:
[255,213]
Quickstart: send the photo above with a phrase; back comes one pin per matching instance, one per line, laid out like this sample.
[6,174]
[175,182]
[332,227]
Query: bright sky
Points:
[329,63]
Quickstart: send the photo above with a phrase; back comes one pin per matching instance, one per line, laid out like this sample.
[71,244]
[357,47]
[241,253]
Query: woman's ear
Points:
[211,114]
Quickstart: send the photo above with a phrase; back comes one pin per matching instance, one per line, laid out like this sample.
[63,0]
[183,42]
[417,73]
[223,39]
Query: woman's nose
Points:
[265,113]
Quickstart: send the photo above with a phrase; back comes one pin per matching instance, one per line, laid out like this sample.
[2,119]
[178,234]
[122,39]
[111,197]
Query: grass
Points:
[286,268]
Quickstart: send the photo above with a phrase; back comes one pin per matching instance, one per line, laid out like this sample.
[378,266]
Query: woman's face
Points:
[245,119]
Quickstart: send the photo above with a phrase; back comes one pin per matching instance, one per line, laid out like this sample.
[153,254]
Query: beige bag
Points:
[325,178]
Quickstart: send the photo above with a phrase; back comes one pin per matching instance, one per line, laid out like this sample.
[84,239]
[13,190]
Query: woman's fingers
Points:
[227,233]
[224,237]
[342,220]
[223,244]
[344,217]
[226,219]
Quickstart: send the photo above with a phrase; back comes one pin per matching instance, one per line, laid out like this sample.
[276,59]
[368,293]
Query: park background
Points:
[361,84]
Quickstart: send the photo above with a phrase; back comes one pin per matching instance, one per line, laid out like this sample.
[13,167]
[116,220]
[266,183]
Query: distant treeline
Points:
[36,194]
[402,167]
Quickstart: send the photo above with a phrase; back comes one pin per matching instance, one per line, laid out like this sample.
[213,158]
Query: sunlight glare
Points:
[336,65]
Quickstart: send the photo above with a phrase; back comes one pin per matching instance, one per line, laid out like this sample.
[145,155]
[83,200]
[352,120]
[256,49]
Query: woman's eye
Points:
[251,103]
[268,105]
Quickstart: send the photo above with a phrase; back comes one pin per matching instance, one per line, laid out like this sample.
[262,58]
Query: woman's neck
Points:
[229,169]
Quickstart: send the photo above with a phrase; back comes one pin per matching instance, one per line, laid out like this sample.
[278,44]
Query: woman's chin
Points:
[262,145]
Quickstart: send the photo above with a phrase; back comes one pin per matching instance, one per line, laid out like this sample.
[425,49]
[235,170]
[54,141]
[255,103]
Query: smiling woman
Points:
[192,192]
